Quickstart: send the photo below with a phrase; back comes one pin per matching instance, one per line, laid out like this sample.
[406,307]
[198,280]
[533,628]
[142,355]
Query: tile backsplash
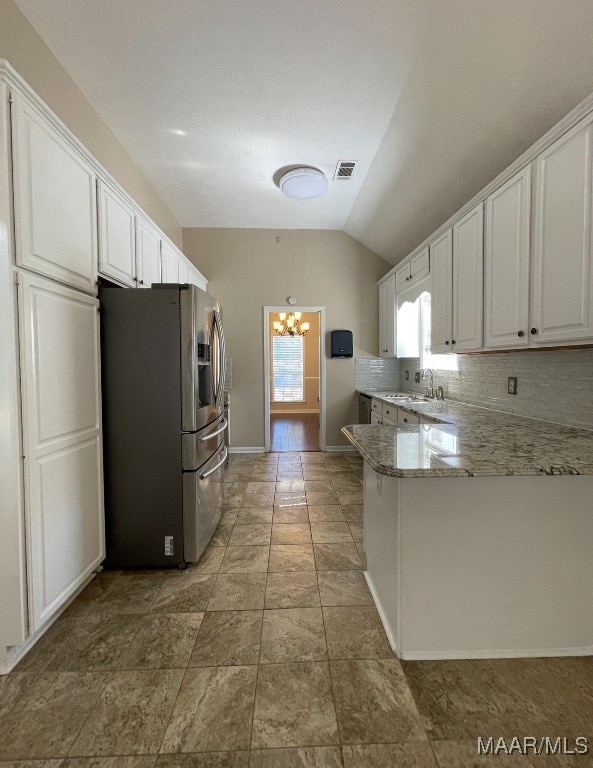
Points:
[556,385]
[376,373]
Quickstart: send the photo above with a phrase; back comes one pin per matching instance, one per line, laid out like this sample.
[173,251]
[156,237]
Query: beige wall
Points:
[22,47]
[311,366]
[247,269]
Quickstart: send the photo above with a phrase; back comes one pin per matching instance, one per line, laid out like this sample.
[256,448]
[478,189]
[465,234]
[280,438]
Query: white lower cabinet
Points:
[404,417]
[62,446]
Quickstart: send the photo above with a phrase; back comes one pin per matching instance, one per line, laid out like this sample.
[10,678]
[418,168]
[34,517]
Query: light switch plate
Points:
[512,385]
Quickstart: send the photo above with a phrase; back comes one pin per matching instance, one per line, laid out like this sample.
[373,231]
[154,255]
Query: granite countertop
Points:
[471,442]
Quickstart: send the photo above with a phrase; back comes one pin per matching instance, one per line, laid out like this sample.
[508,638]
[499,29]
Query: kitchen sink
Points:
[405,398]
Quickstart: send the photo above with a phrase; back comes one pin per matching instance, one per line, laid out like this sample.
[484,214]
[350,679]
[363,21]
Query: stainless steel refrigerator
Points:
[162,359]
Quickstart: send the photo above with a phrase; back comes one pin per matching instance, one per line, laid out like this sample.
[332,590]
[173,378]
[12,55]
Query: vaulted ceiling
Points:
[431,98]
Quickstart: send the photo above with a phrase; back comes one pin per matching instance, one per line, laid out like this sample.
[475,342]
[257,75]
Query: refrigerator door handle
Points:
[222,428]
[204,475]
[218,395]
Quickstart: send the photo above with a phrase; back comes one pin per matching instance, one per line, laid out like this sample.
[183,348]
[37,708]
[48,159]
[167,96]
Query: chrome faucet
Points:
[429,391]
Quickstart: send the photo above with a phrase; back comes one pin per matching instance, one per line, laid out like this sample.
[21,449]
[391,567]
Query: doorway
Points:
[294,373]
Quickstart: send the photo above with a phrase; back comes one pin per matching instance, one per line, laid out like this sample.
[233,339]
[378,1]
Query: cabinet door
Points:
[54,201]
[506,278]
[441,252]
[468,274]
[419,265]
[117,241]
[562,286]
[383,319]
[148,254]
[390,317]
[402,277]
[184,270]
[403,417]
[197,279]
[61,425]
[169,265]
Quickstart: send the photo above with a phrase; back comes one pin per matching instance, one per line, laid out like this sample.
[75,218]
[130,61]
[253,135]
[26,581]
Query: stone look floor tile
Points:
[257,500]
[303,757]
[343,588]
[260,487]
[361,554]
[97,642]
[221,535]
[410,755]
[255,515]
[245,560]
[187,594]
[357,531]
[348,498]
[353,513]
[294,706]
[209,561]
[131,715]
[374,703]
[326,513]
[129,593]
[250,535]
[238,592]
[321,486]
[355,632]
[204,760]
[337,557]
[43,720]
[46,648]
[331,533]
[163,641]
[319,498]
[297,533]
[291,557]
[290,486]
[213,710]
[290,499]
[228,638]
[290,515]
[464,754]
[292,590]
[293,634]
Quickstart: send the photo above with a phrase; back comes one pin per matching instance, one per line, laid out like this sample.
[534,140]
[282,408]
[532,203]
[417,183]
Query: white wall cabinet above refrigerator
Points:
[117,241]
[148,254]
[54,200]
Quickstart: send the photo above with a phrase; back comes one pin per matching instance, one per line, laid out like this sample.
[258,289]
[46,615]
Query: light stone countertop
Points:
[472,442]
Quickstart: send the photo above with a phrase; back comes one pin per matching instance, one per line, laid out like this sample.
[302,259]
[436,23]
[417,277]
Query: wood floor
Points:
[294,431]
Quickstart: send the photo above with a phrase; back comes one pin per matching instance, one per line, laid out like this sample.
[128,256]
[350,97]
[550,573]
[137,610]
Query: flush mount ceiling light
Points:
[303,183]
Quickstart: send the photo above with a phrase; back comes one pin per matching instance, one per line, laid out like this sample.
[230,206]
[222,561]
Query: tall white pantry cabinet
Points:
[63,222]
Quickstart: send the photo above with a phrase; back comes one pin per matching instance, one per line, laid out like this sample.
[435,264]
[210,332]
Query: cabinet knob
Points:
[406,421]
[533,331]
[141,282]
[453,341]
[447,343]
[520,334]
[407,278]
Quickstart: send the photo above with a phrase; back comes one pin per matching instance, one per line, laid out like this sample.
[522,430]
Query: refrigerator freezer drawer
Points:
[198,447]
[202,504]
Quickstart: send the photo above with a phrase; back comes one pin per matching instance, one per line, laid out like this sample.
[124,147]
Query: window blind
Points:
[287,367]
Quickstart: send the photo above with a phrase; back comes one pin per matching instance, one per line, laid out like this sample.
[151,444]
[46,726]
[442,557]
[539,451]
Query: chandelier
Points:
[290,324]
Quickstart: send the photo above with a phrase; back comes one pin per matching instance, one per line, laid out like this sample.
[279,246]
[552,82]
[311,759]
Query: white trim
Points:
[569,121]
[9,75]
[248,449]
[527,653]
[300,410]
[340,449]
[380,611]
[267,311]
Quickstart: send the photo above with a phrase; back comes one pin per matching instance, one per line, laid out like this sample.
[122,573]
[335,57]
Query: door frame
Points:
[269,310]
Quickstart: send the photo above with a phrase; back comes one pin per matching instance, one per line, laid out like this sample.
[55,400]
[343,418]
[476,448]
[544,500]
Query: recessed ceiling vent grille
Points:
[344,170]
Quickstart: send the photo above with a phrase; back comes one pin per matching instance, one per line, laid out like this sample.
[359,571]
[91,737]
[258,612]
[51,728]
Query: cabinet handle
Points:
[447,343]
[533,331]
[453,341]
[520,334]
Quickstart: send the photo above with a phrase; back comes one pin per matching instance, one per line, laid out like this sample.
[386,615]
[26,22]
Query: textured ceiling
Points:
[432,97]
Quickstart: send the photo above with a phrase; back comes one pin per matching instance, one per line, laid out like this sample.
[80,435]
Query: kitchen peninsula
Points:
[479,533]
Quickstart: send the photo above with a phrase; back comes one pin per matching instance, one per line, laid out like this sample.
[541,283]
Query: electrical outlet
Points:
[407,375]
[512,385]
[417,377]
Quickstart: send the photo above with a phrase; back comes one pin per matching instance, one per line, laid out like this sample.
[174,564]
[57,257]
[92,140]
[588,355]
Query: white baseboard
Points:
[498,653]
[381,612]
[248,449]
[340,448]
[301,410]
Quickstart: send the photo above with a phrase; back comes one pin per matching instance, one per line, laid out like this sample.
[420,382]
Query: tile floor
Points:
[269,653]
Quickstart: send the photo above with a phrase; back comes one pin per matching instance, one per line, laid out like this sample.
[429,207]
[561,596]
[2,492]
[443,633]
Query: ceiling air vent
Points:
[344,170]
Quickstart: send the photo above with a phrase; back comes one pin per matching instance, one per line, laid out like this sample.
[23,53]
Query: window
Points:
[427,359]
[287,369]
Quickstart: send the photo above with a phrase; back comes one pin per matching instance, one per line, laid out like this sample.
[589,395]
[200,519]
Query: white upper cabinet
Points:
[506,268]
[562,282]
[387,317]
[117,242]
[63,476]
[402,277]
[148,254]
[184,276]
[441,253]
[419,265]
[169,264]
[54,201]
[468,273]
